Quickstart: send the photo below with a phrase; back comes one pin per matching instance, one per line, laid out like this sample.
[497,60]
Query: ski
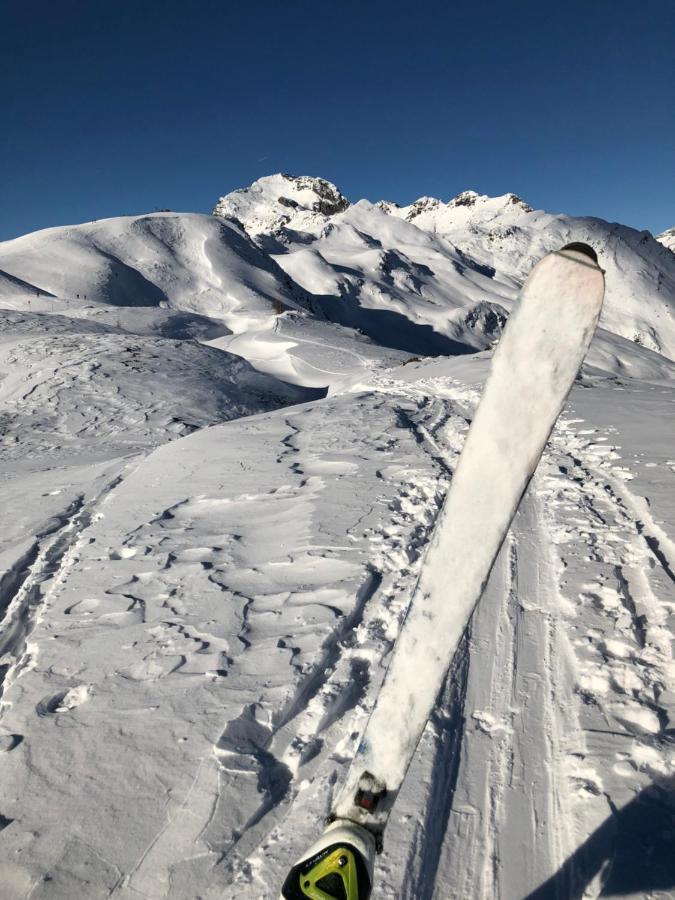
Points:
[532,372]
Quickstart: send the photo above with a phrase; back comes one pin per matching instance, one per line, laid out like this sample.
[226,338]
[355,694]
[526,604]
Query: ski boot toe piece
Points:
[337,867]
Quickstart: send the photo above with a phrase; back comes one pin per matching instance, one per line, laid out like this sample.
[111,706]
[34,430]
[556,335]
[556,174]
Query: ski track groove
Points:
[370,625]
[642,551]
[27,587]
[446,732]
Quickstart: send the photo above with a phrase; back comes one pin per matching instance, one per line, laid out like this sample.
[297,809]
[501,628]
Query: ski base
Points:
[339,866]
[532,371]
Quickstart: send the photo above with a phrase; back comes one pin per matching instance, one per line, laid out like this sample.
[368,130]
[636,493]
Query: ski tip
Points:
[579,247]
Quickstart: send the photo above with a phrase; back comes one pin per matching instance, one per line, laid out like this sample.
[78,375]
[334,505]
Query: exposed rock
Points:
[424,204]
[466,198]
[258,207]
[667,238]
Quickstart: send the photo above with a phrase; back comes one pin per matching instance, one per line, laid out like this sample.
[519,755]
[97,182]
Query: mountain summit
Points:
[667,238]
[278,200]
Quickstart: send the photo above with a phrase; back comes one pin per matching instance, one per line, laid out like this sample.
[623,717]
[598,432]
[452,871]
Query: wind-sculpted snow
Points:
[70,384]
[203,568]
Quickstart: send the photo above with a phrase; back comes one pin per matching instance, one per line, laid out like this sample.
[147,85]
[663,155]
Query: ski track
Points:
[630,594]
[26,588]
[346,676]
[488,758]
[506,782]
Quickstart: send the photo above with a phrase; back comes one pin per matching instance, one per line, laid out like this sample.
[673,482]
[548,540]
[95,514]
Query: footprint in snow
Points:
[83,607]
[9,742]
[123,553]
[64,701]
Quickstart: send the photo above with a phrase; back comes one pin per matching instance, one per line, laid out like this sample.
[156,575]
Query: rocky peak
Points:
[515,200]
[277,200]
[471,198]
[329,199]
[423,205]
[667,238]
[466,198]
[387,206]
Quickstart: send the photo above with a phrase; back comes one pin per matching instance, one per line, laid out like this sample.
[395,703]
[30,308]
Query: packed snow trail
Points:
[532,372]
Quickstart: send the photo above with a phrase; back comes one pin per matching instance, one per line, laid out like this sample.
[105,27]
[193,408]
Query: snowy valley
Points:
[225,441]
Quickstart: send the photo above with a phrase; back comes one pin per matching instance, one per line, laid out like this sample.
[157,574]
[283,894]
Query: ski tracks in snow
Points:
[570,641]
[26,587]
[621,590]
[566,707]
[569,645]
[485,776]
[326,720]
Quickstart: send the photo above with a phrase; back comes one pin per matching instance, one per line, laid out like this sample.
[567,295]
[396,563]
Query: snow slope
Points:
[187,261]
[205,561]
[506,233]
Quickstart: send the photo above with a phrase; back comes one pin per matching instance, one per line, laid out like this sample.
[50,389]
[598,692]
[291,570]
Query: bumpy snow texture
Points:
[225,441]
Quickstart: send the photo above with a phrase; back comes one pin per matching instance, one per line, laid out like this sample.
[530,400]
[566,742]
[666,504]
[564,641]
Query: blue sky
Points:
[116,108]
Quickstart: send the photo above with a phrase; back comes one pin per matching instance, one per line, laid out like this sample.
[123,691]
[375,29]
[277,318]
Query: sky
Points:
[120,108]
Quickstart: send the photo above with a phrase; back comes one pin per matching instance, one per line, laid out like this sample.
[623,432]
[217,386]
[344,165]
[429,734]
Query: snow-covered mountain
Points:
[429,278]
[455,266]
[667,238]
[189,262]
[224,442]
[271,203]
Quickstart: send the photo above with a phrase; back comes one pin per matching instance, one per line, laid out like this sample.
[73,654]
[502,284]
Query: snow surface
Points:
[206,560]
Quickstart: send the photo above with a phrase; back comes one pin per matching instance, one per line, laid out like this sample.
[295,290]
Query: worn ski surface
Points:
[532,372]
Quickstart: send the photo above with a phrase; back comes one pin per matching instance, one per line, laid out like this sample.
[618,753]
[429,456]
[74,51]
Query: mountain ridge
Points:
[427,279]
[499,237]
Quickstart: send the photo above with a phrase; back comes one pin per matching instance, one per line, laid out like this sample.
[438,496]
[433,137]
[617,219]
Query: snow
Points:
[217,495]
[667,238]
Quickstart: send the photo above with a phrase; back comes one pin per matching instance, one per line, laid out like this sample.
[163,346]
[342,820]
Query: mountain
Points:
[432,277]
[224,444]
[271,203]
[191,262]
[667,238]
[455,266]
